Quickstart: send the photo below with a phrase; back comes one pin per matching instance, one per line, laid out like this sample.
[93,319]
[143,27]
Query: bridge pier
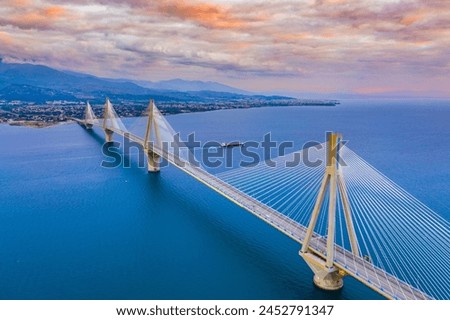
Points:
[153,162]
[108,135]
[89,117]
[325,278]
[153,159]
[326,275]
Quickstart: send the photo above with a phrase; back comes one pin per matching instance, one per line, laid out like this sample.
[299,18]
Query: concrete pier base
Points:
[325,278]
[153,162]
[108,135]
[328,281]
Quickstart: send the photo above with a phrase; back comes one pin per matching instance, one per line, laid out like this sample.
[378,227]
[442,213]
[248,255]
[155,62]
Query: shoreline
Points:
[44,124]
[36,124]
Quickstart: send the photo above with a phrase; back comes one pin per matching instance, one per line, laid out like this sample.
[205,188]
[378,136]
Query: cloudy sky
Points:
[359,46]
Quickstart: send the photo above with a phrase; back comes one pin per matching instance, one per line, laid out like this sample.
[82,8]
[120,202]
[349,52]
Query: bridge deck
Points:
[362,270]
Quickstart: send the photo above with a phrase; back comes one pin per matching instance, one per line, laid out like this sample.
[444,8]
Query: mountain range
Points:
[186,85]
[38,83]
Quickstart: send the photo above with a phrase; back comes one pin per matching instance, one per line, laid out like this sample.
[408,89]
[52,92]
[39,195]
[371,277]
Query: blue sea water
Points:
[71,229]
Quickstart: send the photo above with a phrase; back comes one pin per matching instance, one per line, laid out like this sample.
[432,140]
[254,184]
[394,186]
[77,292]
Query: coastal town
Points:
[24,113]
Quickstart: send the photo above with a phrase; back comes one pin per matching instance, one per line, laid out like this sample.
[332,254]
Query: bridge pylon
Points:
[89,116]
[153,159]
[106,115]
[326,275]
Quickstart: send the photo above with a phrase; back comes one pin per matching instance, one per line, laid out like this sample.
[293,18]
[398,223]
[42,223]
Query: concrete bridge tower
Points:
[326,275]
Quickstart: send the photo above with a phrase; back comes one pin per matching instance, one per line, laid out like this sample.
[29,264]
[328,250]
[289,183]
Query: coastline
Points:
[37,124]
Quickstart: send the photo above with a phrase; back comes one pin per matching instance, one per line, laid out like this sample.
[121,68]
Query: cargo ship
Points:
[231,144]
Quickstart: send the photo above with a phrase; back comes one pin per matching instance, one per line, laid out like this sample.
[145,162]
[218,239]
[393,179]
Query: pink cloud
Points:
[209,15]
[35,18]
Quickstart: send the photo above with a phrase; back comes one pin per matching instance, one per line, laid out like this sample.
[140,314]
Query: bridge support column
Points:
[153,159]
[321,260]
[108,135]
[89,117]
[106,115]
[153,162]
[325,278]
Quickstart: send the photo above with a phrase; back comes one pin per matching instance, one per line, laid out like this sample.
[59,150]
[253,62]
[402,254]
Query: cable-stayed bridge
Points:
[348,217]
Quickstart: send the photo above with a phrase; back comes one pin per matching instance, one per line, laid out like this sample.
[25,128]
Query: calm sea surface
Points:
[70,229]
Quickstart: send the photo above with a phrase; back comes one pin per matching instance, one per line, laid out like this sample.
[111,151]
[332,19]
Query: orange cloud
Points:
[240,45]
[5,39]
[54,12]
[292,36]
[38,18]
[408,20]
[208,15]
[328,35]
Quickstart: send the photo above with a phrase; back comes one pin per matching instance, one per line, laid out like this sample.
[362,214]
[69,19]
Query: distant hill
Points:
[45,77]
[29,82]
[187,85]
[28,93]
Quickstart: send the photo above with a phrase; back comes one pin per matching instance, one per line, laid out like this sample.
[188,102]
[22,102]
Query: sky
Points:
[320,46]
